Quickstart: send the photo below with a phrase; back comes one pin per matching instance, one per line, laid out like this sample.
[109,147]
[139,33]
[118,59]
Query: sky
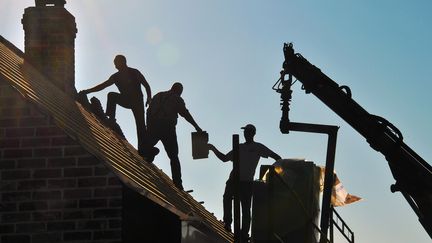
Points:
[228,55]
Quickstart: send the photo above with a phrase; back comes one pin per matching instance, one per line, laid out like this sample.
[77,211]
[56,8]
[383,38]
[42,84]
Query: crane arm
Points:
[412,174]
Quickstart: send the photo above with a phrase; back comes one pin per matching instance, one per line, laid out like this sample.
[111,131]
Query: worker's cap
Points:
[249,128]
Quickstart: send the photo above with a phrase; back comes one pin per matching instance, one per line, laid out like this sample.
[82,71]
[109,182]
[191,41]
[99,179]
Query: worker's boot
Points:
[245,238]
[150,154]
[227,227]
[179,185]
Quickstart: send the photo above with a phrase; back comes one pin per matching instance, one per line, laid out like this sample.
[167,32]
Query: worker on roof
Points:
[128,81]
[250,153]
[162,117]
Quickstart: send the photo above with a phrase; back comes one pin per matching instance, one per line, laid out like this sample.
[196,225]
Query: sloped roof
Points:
[117,154]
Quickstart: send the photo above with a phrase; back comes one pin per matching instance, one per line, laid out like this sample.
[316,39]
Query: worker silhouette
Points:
[162,117]
[128,81]
[250,153]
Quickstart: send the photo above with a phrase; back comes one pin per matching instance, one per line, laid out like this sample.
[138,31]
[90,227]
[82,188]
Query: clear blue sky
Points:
[228,54]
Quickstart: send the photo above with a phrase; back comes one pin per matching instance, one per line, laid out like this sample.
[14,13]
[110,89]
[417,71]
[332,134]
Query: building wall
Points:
[146,221]
[51,189]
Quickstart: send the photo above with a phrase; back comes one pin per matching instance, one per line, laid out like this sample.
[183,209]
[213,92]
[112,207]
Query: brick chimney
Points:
[50,32]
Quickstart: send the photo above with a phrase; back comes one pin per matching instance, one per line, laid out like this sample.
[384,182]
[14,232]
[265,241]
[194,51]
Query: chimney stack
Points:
[50,32]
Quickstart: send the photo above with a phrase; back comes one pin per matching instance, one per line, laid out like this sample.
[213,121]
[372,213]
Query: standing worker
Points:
[162,117]
[250,153]
[128,81]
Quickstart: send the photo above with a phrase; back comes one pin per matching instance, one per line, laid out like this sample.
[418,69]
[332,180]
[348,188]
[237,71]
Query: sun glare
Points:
[92,13]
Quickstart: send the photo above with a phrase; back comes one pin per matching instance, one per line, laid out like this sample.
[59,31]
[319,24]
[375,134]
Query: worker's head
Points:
[177,88]
[120,62]
[249,132]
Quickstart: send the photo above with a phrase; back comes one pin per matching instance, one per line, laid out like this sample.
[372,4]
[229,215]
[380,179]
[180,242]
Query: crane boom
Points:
[412,174]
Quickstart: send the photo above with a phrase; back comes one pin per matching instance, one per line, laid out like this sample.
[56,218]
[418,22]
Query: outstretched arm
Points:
[188,117]
[266,152]
[220,155]
[274,156]
[98,87]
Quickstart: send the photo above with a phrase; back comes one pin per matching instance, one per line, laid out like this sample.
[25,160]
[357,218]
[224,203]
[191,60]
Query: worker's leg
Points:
[118,99]
[138,111]
[246,200]
[112,100]
[227,203]
[153,136]
[169,140]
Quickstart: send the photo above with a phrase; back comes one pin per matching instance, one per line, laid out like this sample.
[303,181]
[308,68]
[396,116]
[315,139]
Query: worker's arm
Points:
[147,88]
[274,156]
[220,155]
[98,87]
[266,152]
[188,117]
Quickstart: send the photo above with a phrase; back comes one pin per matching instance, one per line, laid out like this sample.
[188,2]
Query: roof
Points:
[110,148]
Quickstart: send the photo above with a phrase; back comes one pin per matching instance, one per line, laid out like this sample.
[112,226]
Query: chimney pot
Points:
[47,3]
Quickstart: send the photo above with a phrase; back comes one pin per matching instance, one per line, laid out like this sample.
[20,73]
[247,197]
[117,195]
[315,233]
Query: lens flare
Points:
[154,35]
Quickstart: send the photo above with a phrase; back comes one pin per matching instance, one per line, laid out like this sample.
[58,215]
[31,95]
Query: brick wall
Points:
[51,189]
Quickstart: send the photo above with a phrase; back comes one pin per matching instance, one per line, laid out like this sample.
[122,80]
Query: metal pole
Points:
[328,184]
[331,131]
[331,226]
[236,172]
